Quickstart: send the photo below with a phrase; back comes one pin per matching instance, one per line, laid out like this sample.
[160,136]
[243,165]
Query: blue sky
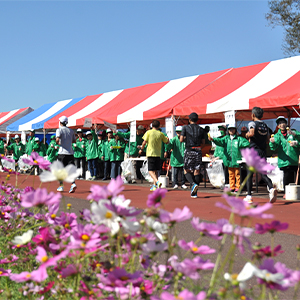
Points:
[57,50]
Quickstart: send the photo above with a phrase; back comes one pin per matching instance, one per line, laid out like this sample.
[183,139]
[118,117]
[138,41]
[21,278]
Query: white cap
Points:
[108,130]
[79,130]
[63,119]
[37,139]
[16,136]
[88,132]
[178,128]
[231,125]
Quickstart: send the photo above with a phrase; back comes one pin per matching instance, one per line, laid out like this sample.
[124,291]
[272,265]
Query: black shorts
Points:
[153,163]
[66,159]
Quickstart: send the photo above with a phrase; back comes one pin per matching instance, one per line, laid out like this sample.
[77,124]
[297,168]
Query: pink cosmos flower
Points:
[191,246]
[244,209]
[275,226]
[255,162]
[68,271]
[35,160]
[267,252]
[179,215]
[44,238]
[185,294]
[5,272]
[8,159]
[154,199]
[39,197]
[106,192]
[153,247]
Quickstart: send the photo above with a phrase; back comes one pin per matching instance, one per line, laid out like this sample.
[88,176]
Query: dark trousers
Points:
[100,168]
[289,175]
[92,164]
[178,172]
[115,169]
[80,163]
[106,169]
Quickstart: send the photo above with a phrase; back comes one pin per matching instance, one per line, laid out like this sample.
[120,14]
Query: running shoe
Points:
[73,188]
[158,184]
[153,188]
[184,187]
[60,189]
[248,199]
[175,187]
[273,195]
[194,190]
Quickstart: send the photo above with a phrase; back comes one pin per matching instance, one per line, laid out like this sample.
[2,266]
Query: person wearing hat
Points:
[31,142]
[100,163]
[134,148]
[116,155]
[258,136]
[64,138]
[79,148]
[286,143]
[232,145]
[153,139]
[92,151]
[52,151]
[244,130]
[39,147]
[106,154]
[17,148]
[2,146]
[176,159]
[194,137]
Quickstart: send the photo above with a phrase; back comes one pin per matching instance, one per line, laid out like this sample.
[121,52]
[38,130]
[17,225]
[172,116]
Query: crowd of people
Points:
[103,151]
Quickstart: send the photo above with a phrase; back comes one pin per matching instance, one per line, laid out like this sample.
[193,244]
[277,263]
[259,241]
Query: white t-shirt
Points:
[66,136]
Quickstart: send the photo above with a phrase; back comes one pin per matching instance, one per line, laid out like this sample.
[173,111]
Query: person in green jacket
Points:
[31,142]
[286,143]
[80,153]
[92,151]
[39,147]
[17,148]
[232,145]
[106,154]
[116,156]
[2,146]
[52,150]
[100,164]
[176,158]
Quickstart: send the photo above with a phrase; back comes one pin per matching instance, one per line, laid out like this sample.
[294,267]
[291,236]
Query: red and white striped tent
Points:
[273,86]
[7,118]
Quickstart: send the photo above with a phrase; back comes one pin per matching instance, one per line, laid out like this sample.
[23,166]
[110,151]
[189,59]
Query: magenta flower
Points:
[179,215]
[39,197]
[44,238]
[256,163]
[244,209]
[185,294]
[35,160]
[191,246]
[8,159]
[213,230]
[267,252]
[5,272]
[155,198]
[241,234]
[68,271]
[275,226]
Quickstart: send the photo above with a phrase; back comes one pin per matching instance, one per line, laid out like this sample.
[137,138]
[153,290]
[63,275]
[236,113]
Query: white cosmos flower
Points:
[158,228]
[60,173]
[131,227]
[101,215]
[23,239]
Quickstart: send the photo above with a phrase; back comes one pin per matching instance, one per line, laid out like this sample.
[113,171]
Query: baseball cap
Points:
[108,130]
[244,128]
[88,132]
[52,137]
[141,127]
[178,128]
[231,125]
[32,130]
[281,118]
[222,127]
[16,136]
[79,130]
[37,139]
[63,119]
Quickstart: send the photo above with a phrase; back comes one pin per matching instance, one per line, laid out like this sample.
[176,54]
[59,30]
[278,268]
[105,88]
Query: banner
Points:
[132,131]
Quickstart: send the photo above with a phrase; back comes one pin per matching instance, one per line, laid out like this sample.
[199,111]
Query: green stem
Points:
[243,183]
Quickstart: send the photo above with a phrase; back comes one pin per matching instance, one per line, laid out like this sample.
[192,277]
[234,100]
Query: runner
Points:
[194,137]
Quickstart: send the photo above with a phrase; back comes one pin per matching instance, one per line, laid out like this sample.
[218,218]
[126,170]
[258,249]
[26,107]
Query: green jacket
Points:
[100,148]
[106,150]
[134,150]
[232,149]
[79,148]
[18,150]
[52,152]
[1,147]
[116,154]
[29,145]
[92,147]
[176,159]
[287,155]
[40,148]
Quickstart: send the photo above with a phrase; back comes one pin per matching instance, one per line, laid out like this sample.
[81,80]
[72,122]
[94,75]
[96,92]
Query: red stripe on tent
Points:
[218,89]
[286,94]
[3,114]
[166,108]
[52,123]
[126,100]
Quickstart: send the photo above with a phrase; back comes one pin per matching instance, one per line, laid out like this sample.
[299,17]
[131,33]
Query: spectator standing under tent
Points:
[100,164]
[194,137]
[244,130]
[39,147]
[64,138]
[117,147]
[153,139]
[52,151]
[106,154]
[176,159]
[92,151]
[79,148]
[285,142]
[232,145]
[31,142]
[258,136]
[2,150]
[17,148]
